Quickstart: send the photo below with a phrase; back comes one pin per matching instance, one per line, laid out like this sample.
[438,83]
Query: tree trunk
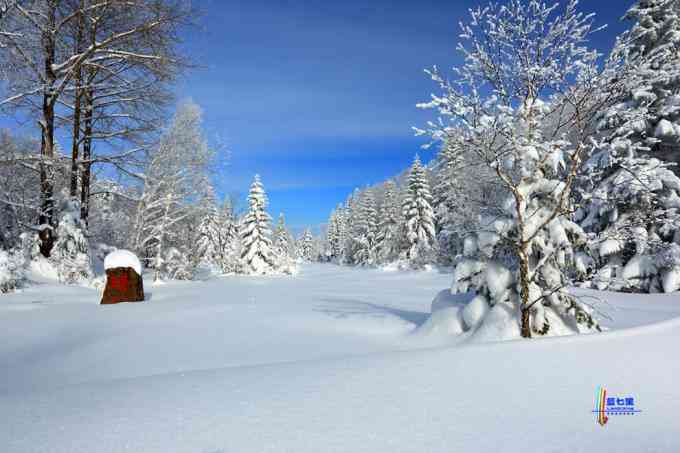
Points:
[88,94]
[76,109]
[87,164]
[46,218]
[524,291]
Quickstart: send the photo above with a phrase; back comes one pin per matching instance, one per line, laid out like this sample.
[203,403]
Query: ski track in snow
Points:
[324,362]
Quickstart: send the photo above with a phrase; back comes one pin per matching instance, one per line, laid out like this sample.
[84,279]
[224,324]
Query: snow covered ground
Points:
[329,361]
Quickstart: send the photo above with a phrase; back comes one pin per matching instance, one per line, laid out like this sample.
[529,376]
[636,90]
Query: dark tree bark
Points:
[77,80]
[47,217]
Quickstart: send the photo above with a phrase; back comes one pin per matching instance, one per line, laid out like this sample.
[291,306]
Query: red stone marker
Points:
[123,284]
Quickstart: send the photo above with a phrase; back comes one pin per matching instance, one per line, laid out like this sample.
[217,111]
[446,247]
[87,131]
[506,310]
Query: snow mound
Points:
[467,316]
[447,315]
[123,258]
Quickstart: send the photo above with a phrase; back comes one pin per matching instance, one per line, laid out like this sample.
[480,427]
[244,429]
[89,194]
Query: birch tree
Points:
[523,101]
[180,162]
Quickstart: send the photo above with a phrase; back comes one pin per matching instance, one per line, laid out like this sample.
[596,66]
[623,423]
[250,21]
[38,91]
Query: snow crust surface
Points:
[334,360]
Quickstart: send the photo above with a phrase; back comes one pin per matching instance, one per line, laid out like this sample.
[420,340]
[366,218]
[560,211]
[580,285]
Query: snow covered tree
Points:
[306,246]
[418,217]
[71,253]
[282,238]
[217,236]
[352,214]
[11,270]
[257,255]
[630,197]
[449,204]
[112,209]
[366,230]
[342,233]
[180,161]
[332,237]
[387,235]
[522,102]
[284,247]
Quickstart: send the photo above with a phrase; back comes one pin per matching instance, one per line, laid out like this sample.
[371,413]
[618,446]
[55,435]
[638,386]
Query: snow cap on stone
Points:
[123,258]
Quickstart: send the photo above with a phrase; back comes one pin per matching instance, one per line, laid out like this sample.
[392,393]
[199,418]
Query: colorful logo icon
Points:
[606,405]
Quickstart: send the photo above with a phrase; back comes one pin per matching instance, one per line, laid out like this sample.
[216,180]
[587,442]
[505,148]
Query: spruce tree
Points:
[256,254]
[282,239]
[418,217]
[366,231]
[629,197]
[307,245]
[449,201]
[388,222]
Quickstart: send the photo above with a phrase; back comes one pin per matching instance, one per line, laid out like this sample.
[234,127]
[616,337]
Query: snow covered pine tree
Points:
[365,252]
[306,245]
[418,228]
[257,255]
[388,223]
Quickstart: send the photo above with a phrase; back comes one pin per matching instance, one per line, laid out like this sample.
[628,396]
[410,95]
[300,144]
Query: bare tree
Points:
[54,49]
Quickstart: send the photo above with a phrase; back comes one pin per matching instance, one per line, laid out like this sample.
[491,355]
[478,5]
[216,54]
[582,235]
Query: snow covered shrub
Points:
[176,266]
[71,253]
[668,263]
[532,133]
[630,196]
[11,270]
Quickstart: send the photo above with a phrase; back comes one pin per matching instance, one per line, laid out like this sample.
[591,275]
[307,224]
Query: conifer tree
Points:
[306,246]
[388,222]
[418,217]
[282,239]
[256,254]
[366,229]
[629,201]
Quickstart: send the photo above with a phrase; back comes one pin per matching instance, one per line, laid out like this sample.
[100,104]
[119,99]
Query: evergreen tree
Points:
[418,216]
[282,239]
[388,223]
[306,246]
[629,200]
[71,253]
[332,239]
[352,218]
[256,254]
[366,229]
[449,201]
[217,237]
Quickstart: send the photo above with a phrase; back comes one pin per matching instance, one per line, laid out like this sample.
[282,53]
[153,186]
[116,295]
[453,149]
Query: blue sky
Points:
[319,97]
